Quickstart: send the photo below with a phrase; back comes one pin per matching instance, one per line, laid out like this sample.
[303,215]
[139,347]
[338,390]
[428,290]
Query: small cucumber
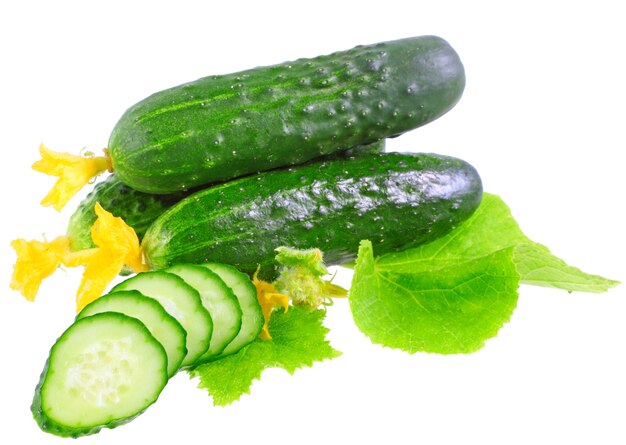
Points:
[165,328]
[394,200]
[252,316]
[137,209]
[222,127]
[182,302]
[219,300]
[103,371]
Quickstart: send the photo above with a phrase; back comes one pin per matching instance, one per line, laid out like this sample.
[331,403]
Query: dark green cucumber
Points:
[140,209]
[137,209]
[359,150]
[394,200]
[222,127]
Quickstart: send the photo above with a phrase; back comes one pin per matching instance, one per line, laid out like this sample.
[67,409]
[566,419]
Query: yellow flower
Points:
[73,172]
[100,270]
[117,245]
[36,260]
[268,298]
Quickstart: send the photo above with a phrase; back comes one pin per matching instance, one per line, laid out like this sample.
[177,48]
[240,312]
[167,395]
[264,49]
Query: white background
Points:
[542,119]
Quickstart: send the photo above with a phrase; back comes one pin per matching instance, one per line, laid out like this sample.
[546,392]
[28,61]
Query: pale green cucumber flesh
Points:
[103,371]
[164,327]
[252,316]
[182,302]
[220,302]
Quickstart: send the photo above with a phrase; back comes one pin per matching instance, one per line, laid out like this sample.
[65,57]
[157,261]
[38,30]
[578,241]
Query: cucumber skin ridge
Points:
[394,200]
[49,425]
[222,127]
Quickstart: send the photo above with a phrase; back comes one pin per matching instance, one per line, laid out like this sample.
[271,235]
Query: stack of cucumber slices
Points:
[113,362]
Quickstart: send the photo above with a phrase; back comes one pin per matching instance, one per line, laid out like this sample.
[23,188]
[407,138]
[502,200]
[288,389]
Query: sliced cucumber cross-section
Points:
[252,317]
[113,362]
[103,371]
[182,302]
[165,328]
[218,299]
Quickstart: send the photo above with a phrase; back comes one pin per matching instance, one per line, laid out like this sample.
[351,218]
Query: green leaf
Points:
[493,228]
[537,266]
[298,340]
[451,295]
[451,311]
[489,229]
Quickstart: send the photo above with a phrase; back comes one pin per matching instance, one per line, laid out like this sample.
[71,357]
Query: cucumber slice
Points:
[165,328]
[218,299]
[103,371]
[252,318]
[182,302]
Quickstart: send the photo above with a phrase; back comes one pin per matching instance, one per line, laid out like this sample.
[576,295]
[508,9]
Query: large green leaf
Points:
[451,295]
[492,228]
[453,310]
[298,340]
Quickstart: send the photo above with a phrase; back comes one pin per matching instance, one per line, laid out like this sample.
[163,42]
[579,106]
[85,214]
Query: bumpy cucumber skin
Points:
[136,208]
[49,425]
[139,209]
[359,150]
[394,200]
[222,127]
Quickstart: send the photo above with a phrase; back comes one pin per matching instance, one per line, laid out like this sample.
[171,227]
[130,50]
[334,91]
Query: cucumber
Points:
[252,315]
[137,209]
[165,328]
[222,127]
[182,302]
[394,200]
[219,300]
[103,371]
[140,209]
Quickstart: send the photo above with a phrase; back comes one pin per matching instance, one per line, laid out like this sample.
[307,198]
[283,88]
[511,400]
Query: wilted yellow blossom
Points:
[73,172]
[268,298]
[36,260]
[117,245]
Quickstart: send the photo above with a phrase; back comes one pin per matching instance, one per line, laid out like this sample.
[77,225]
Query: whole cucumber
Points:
[394,200]
[222,127]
